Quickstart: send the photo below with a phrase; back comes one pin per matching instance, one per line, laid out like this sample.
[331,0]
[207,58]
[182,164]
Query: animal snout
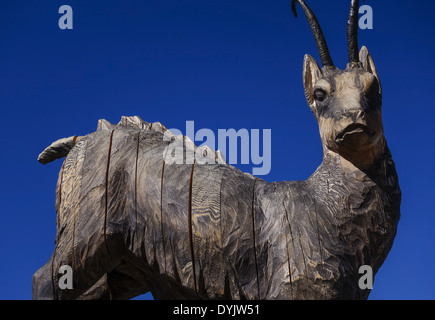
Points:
[356,114]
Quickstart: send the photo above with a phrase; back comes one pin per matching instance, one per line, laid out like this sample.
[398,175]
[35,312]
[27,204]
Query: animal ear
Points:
[311,74]
[369,65]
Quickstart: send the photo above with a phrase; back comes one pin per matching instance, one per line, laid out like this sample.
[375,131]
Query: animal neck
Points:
[363,158]
[367,169]
[363,204]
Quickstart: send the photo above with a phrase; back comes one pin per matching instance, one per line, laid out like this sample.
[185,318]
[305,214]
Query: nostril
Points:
[361,114]
[356,114]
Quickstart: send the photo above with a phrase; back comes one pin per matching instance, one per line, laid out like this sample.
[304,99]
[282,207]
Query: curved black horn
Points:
[352,32]
[325,57]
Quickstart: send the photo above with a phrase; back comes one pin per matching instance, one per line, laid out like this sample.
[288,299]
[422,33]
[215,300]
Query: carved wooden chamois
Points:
[129,223]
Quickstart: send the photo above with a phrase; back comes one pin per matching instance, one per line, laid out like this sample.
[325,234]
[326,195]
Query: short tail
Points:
[57,149]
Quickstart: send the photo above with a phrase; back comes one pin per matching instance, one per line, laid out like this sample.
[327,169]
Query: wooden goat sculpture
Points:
[129,223]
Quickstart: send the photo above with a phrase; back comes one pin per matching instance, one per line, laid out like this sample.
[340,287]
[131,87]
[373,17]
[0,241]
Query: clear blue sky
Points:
[224,64]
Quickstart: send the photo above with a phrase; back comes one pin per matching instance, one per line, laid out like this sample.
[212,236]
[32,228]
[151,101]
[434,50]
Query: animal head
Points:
[346,103]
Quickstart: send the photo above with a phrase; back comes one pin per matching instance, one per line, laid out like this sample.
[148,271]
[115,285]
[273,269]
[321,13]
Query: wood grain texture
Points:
[138,212]
[210,231]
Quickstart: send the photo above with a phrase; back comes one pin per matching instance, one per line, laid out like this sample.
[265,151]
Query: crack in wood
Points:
[287,248]
[135,186]
[107,191]
[253,238]
[190,228]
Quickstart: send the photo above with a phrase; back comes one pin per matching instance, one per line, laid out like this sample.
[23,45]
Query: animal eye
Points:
[319,95]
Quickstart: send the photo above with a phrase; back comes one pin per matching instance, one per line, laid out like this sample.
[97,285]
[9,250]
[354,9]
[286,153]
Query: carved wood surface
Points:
[129,221]
[209,230]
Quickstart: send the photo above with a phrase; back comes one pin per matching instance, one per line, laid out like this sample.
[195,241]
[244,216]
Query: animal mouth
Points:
[355,129]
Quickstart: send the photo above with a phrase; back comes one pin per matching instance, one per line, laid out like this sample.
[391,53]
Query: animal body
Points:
[128,222]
